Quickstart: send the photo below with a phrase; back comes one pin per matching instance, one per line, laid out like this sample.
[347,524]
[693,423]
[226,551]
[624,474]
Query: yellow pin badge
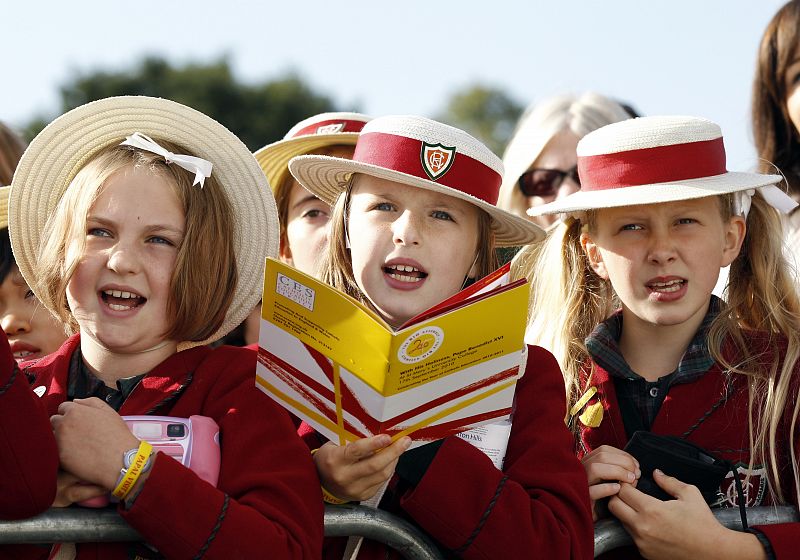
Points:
[592,414]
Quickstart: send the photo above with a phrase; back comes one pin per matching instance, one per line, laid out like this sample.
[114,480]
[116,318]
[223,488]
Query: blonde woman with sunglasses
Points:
[540,159]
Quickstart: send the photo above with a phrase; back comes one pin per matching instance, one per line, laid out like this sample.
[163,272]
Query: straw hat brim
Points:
[326,177]
[56,155]
[274,158]
[654,193]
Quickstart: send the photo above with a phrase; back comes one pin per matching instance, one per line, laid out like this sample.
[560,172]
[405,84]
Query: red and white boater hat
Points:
[319,131]
[421,153]
[657,159]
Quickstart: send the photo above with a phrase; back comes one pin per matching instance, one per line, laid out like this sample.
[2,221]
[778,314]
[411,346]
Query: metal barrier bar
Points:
[610,534]
[379,525]
[105,525]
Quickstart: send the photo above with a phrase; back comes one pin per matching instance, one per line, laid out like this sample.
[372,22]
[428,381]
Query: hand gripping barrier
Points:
[610,534]
[105,525]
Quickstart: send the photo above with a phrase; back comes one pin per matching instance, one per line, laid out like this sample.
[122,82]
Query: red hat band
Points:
[430,161]
[332,126]
[648,166]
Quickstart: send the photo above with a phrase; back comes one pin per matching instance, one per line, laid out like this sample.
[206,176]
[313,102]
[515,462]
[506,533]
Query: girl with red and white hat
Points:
[414,219]
[657,217]
[303,217]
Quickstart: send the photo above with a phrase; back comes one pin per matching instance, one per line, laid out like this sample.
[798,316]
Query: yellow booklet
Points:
[339,366]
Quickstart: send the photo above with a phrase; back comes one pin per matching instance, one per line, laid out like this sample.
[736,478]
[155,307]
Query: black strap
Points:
[631,417]
[740,495]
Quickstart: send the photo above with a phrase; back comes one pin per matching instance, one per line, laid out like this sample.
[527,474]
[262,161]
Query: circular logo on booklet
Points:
[420,345]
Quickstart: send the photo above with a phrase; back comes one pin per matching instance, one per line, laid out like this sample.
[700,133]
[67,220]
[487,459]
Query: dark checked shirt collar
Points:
[82,384]
[603,347]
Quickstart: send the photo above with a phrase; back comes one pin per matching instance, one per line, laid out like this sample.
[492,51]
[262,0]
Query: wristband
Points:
[136,462]
[327,497]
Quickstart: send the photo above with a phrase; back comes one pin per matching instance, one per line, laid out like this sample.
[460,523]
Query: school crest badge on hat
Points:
[437,159]
[330,128]
[421,153]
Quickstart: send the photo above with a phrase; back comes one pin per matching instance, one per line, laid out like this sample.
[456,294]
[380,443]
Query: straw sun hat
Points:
[56,155]
[656,159]
[319,131]
[426,154]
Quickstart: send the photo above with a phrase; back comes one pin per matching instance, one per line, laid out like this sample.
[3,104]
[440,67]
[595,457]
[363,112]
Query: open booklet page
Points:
[335,363]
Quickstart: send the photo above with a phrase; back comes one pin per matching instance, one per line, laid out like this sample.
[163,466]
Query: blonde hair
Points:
[539,124]
[200,294]
[336,267]
[570,300]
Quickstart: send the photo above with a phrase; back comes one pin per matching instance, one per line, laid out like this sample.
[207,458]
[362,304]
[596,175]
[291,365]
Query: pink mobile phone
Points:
[193,442]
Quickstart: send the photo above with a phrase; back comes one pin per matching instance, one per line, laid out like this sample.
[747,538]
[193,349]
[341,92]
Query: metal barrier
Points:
[610,534]
[105,525]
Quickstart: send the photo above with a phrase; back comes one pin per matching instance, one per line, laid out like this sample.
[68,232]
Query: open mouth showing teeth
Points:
[22,354]
[405,273]
[120,300]
[667,287]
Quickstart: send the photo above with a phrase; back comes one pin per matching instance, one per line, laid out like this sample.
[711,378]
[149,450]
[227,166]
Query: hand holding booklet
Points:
[339,366]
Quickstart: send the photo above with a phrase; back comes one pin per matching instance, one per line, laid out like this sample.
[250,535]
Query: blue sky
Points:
[677,57]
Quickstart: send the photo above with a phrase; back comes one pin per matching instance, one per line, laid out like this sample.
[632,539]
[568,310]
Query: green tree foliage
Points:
[257,113]
[486,112]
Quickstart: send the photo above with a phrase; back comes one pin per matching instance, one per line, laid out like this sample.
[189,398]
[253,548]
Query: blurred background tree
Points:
[257,113]
[486,112]
[263,112]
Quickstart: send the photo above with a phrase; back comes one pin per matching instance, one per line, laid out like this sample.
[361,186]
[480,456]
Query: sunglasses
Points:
[545,182]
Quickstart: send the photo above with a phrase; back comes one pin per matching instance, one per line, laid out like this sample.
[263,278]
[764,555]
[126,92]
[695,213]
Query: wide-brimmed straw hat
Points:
[421,153]
[652,159]
[56,155]
[313,133]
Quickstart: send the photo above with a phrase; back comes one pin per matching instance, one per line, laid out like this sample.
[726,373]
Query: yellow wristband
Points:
[329,498]
[132,474]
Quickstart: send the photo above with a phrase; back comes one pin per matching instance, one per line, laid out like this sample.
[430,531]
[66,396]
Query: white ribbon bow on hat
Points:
[774,196]
[199,166]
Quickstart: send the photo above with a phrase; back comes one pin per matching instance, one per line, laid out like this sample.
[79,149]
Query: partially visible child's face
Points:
[306,230]
[31,330]
[120,288]
[411,248]
[307,222]
[663,260]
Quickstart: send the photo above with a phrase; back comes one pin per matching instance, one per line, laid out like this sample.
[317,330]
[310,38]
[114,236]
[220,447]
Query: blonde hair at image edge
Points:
[570,300]
[207,242]
[539,124]
[336,267]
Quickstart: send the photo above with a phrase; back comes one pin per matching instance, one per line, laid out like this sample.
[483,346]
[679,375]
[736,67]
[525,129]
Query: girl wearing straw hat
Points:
[657,216]
[143,225]
[303,218]
[414,219]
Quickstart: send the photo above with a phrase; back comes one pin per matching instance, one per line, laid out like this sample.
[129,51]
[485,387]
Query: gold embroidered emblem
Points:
[592,416]
[592,413]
